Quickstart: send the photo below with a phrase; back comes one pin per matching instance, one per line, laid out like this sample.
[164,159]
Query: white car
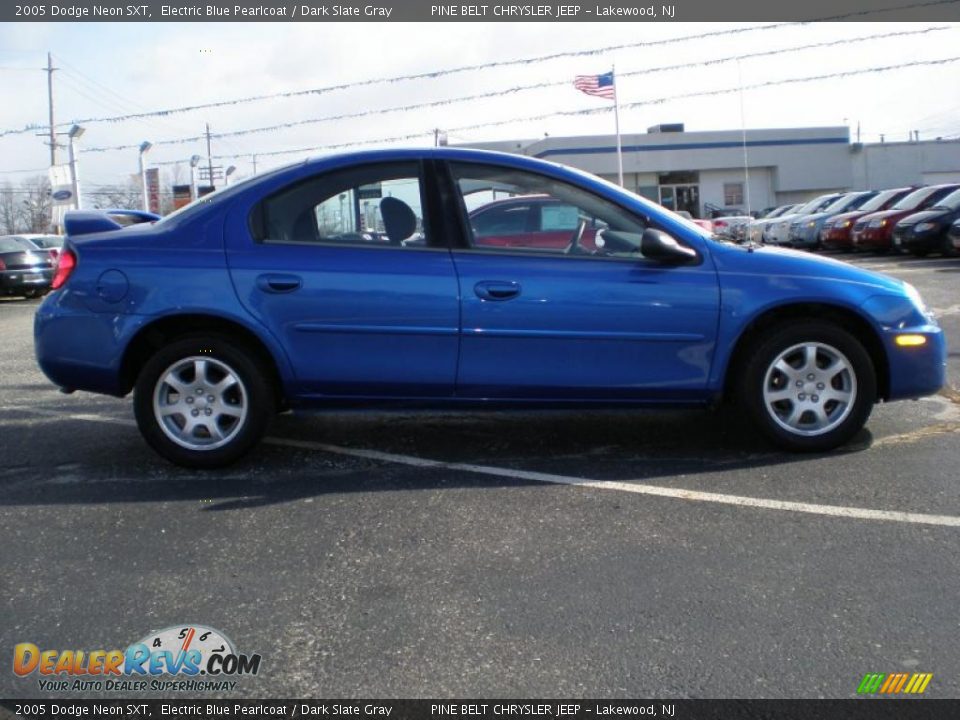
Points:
[778,232]
[756,229]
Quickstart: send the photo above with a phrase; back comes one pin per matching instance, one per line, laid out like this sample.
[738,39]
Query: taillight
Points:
[3,265]
[68,261]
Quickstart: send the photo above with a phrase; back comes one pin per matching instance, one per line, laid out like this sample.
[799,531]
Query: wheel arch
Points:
[156,334]
[850,320]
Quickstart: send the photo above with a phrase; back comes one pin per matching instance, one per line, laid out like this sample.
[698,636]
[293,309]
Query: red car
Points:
[875,231]
[533,222]
[836,231]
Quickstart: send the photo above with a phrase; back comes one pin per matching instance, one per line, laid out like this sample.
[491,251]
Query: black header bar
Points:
[631,11]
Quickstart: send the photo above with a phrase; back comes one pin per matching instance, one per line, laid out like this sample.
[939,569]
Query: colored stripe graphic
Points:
[870,683]
[894,683]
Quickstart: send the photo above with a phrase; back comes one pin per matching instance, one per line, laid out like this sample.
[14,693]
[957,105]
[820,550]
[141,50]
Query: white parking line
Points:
[630,487]
[635,488]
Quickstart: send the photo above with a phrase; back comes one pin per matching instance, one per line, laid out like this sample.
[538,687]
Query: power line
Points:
[484,66]
[522,88]
[14,172]
[604,109]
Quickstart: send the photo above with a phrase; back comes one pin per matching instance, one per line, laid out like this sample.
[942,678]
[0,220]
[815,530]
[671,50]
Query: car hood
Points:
[923,215]
[815,216]
[888,214]
[774,261]
[852,215]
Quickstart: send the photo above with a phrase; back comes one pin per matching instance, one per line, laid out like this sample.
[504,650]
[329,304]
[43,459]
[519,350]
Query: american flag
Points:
[600,85]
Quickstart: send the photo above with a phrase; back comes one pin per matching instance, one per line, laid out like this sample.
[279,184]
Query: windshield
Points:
[48,241]
[879,200]
[914,199]
[810,207]
[950,202]
[842,202]
[16,244]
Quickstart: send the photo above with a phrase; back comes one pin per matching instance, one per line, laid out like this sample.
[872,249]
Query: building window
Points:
[732,194]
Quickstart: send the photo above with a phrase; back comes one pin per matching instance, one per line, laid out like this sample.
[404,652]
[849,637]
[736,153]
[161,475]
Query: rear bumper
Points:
[80,350]
[14,281]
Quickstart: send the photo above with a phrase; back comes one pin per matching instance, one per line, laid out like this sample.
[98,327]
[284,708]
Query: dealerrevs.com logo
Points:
[185,658]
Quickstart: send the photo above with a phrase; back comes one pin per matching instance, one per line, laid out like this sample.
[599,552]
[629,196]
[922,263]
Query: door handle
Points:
[279,283]
[496,290]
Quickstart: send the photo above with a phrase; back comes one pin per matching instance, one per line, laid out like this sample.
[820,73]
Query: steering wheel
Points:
[574,248]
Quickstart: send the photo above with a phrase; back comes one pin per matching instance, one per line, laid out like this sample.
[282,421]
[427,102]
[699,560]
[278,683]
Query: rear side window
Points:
[371,205]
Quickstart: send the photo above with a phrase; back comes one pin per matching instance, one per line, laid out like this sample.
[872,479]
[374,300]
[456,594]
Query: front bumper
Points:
[873,238]
[920,370]
[911,241]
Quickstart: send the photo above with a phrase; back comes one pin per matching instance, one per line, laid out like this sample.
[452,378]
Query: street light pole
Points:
[194,161]
[226,176]
[144,149]
[75,132]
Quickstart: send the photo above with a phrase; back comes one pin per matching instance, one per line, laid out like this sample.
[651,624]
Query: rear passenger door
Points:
[348,271]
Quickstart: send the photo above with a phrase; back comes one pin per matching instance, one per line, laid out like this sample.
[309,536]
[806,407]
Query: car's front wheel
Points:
[203,402]
[809,387]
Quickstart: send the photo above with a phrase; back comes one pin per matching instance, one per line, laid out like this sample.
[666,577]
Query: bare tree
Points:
[10,215]
[36,205]
[129,195]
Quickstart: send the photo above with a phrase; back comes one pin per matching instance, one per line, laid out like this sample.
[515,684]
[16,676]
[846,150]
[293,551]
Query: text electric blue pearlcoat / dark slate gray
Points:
[384,324]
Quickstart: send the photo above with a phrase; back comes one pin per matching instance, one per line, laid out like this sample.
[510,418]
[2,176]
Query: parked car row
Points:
[918,220]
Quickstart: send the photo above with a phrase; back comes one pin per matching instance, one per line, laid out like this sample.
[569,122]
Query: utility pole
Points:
[209,156]
[53,137]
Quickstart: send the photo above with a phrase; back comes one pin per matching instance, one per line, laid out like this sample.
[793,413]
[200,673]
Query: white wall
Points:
[886,165]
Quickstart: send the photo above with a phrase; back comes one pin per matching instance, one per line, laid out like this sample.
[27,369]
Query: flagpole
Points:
[616,119]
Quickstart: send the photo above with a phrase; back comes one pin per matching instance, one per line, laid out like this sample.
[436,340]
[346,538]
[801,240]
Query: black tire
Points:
[253,395]
[841,420]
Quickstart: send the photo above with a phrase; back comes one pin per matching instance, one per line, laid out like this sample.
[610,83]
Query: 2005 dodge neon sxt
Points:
[368,279]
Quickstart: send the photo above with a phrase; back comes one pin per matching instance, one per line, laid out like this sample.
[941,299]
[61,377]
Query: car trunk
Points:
[27,260]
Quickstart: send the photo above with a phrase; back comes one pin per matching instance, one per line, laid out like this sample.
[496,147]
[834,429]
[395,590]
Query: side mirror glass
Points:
[658,245]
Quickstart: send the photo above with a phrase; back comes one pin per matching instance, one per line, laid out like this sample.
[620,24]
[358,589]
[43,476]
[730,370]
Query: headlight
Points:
[811,224]
[846,223]
[924,227]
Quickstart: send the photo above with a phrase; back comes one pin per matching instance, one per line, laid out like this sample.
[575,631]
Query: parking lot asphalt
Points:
[553,554]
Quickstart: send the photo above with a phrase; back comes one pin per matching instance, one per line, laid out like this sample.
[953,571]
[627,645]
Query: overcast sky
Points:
[115,69]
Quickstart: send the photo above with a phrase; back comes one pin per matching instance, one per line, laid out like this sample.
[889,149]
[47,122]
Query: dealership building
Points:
[732,169]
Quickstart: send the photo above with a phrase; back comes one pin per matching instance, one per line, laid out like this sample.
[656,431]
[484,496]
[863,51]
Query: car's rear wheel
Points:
[203,402]
[809,387]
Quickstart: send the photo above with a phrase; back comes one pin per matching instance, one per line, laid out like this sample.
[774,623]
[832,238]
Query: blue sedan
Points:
[358,280]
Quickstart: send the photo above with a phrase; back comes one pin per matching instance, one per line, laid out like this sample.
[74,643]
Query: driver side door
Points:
[577,319]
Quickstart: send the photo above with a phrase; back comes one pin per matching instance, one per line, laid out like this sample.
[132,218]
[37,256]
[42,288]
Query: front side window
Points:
[372,205]
[530,213]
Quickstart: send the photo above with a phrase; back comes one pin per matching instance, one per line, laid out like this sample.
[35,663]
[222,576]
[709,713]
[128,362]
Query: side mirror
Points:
[658,245]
